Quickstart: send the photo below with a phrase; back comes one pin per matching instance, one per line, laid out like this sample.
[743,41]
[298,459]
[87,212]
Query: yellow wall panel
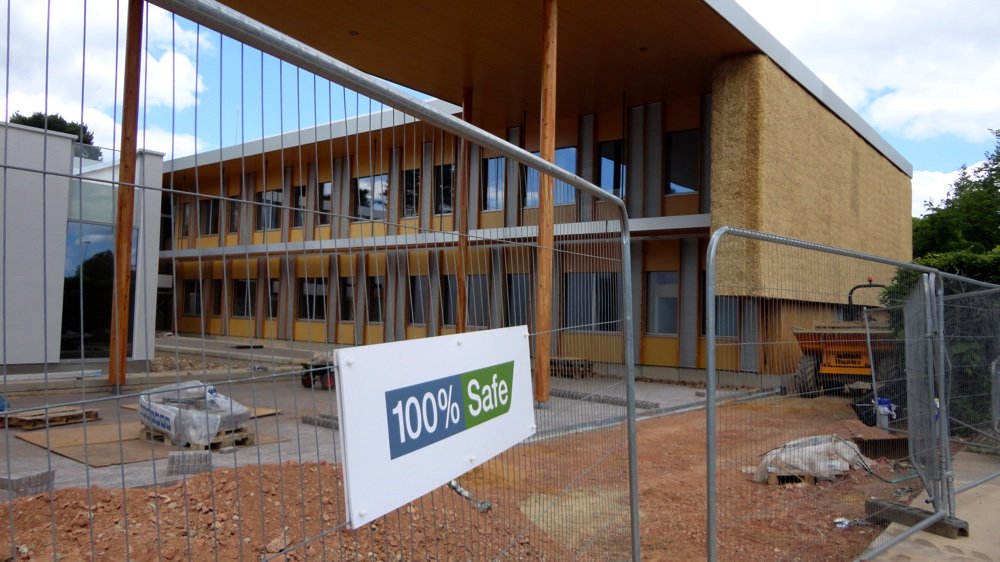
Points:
[596,347]
[312,266]
[662,255]
[311,331]
[415,332]
[676,205]
[243,268]
[491,219]
[365,229]
[374,333]
[242,327]
[345,333]
[663,351]
[417,262]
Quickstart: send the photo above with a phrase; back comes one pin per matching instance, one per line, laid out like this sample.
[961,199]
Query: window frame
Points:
[649,310]
[440,189]
[249,292]
[423,289]
[269,204]
[531,181]
[411,183]
[669,166]
[324,203]
[595,297]
[311,307]
[299,205]
[501,179]
[208,217]
[192,290]
[356,197]
[345,295]
[619,181]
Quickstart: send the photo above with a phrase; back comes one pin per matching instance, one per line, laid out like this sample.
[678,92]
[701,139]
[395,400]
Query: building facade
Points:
[692,134]
[57,231]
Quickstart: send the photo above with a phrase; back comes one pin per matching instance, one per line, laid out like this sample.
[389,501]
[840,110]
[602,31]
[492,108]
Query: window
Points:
[611,167]
[444,178]
[346,299]
[370,195]
[683,161]
[208,217]
[592,301]
[217,297]
[449,299]
[273,288]
[298,206]
[324,192]
[479,301]
[727,317]
[562,193]
[192,298]
[376,298]
[185,218]
[494,171]
[312,299]
[244,291]
[233,219]
[419,296]
[411,193]
[661,302]
[518,303]
[269,209]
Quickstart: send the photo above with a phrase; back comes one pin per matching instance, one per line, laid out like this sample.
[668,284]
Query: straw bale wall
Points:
[783,163]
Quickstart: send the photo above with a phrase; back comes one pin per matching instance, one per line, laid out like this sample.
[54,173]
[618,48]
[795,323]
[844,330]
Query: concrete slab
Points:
[980,506]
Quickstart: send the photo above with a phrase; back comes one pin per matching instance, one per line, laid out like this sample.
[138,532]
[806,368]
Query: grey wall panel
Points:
[748,336]
[434,302]
[705,201]
[360,300]
[475,187]
[635,194]
[512,191]
[342,196]
[286,212]
[635,249]
[427,185]
[588,166]
[333,299]
[689,309]
[395,191]
[309,218]
[247,213]
[652,162]
[498,276]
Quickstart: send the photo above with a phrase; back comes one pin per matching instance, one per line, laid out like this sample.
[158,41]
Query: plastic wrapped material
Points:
[822,456]
[190,412]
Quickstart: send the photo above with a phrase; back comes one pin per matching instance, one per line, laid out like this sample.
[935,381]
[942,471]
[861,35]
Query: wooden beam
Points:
[546,219]
[461,216]
[121,301]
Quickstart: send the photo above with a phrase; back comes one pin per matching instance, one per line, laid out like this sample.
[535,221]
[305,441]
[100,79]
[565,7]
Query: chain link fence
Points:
[862,366]
[333,212]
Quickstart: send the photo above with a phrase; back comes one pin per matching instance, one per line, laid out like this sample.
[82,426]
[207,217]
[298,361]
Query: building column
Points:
[546,209]
[588,169]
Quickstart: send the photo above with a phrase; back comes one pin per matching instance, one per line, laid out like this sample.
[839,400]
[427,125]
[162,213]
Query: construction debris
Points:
[822,457]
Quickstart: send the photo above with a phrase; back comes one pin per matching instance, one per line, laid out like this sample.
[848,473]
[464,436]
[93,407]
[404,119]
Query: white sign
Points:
[416,414]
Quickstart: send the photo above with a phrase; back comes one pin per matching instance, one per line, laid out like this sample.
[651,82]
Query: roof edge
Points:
[770,46]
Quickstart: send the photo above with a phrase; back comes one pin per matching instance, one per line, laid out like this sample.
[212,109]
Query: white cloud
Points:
[914,68]
[933,187]
[50,62]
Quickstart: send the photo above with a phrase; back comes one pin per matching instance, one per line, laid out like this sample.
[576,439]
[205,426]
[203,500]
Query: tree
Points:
[968,220]
[58,123]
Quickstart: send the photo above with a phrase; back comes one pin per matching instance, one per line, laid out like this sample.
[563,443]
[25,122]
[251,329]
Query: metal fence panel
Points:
[853,384]
[331,212]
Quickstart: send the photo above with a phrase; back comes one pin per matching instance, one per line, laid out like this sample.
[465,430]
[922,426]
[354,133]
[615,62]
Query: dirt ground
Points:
[549,500]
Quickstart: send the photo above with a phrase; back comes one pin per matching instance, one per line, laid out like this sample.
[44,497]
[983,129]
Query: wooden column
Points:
[546,219]
[461,216]
[120,304]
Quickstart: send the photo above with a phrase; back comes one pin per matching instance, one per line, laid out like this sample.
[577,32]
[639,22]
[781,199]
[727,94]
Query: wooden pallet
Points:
[232,438]
[571,367]
[48,417]
[778,478]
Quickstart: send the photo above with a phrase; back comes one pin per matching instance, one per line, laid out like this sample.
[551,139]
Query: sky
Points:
[924,73]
